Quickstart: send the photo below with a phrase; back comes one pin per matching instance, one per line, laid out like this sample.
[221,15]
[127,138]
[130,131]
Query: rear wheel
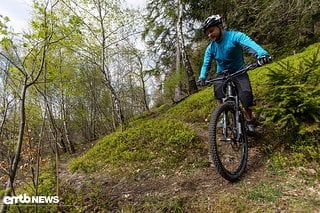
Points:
[229,153]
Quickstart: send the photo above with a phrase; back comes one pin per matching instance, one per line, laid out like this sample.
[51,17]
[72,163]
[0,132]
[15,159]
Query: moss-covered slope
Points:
[166,137]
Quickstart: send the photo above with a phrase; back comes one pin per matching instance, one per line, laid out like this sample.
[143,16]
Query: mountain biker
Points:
[226,49]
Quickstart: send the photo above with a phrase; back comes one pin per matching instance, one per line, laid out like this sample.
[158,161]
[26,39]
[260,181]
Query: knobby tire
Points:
[216,142]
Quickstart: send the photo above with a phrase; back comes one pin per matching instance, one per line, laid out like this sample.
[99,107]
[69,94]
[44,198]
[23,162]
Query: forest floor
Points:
[200,189]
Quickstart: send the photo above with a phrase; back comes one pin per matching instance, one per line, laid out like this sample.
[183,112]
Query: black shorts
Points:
[243,87]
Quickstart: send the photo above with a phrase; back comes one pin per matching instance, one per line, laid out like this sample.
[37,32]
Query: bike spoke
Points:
[229,148]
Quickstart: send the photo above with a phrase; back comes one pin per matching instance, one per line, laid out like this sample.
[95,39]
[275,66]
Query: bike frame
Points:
[232,96]
[225,148]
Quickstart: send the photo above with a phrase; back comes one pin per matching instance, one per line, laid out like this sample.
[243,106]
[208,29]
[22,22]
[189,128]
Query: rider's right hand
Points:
[201,82]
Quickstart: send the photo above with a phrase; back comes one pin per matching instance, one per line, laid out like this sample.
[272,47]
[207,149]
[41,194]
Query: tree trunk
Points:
[70,145]
[16,158]
[5,104]
[33,77]
[55,130]
[38,161]
[141,75]
[178,88]
[181,46]
[64,110]
[118,117]
[145,101]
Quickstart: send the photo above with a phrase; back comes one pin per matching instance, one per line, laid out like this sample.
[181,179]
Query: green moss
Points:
[159,138]
[2,192]
[152,113]
[46,187]
[157,142]
[195,108]
[264,192]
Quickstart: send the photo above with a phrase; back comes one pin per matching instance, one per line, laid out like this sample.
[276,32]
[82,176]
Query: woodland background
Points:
[88,68]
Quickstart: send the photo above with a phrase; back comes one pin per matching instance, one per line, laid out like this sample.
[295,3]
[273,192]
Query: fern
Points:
[294,96]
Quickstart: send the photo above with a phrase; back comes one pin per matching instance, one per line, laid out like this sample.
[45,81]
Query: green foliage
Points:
[174,81]
[47,183]
[2,193]
[195,108]
[259,82]
[294,96]
[264,192]
[152,113]
[3,26]
[6,43]
[300,155]
[177,206]
[310,153]
[278,162]
[161,142]
[283,27]
[165,204]
[157,136]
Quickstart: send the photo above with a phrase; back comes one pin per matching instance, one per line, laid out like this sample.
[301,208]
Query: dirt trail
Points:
[136,190]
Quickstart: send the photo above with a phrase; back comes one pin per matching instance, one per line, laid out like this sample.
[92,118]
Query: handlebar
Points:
[228,76]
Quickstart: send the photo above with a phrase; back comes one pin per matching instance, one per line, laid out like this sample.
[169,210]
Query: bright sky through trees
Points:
[19,11]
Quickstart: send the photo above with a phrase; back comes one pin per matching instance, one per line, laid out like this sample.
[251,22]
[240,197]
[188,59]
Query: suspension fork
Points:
[225,117]
[238,128]
[238,120]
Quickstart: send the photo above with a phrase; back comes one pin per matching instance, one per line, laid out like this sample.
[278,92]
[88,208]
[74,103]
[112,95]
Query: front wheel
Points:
[229,147]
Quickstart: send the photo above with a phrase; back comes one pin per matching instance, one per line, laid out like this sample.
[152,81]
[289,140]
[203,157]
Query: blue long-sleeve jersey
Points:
[228,53]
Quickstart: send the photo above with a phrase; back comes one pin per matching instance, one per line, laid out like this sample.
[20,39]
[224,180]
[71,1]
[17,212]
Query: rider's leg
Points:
[245,93]
[250,120]
[248,113]
[219,94]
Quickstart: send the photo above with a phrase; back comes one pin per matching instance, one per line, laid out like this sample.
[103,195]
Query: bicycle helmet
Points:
[211,21]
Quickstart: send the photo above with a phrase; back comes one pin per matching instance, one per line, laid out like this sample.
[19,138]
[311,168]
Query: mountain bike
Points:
[228,139]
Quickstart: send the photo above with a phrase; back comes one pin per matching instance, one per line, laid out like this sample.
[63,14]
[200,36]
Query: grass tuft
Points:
[161,143]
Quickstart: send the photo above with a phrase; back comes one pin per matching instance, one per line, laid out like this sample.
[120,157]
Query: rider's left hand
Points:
[264,60]
[201,82]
